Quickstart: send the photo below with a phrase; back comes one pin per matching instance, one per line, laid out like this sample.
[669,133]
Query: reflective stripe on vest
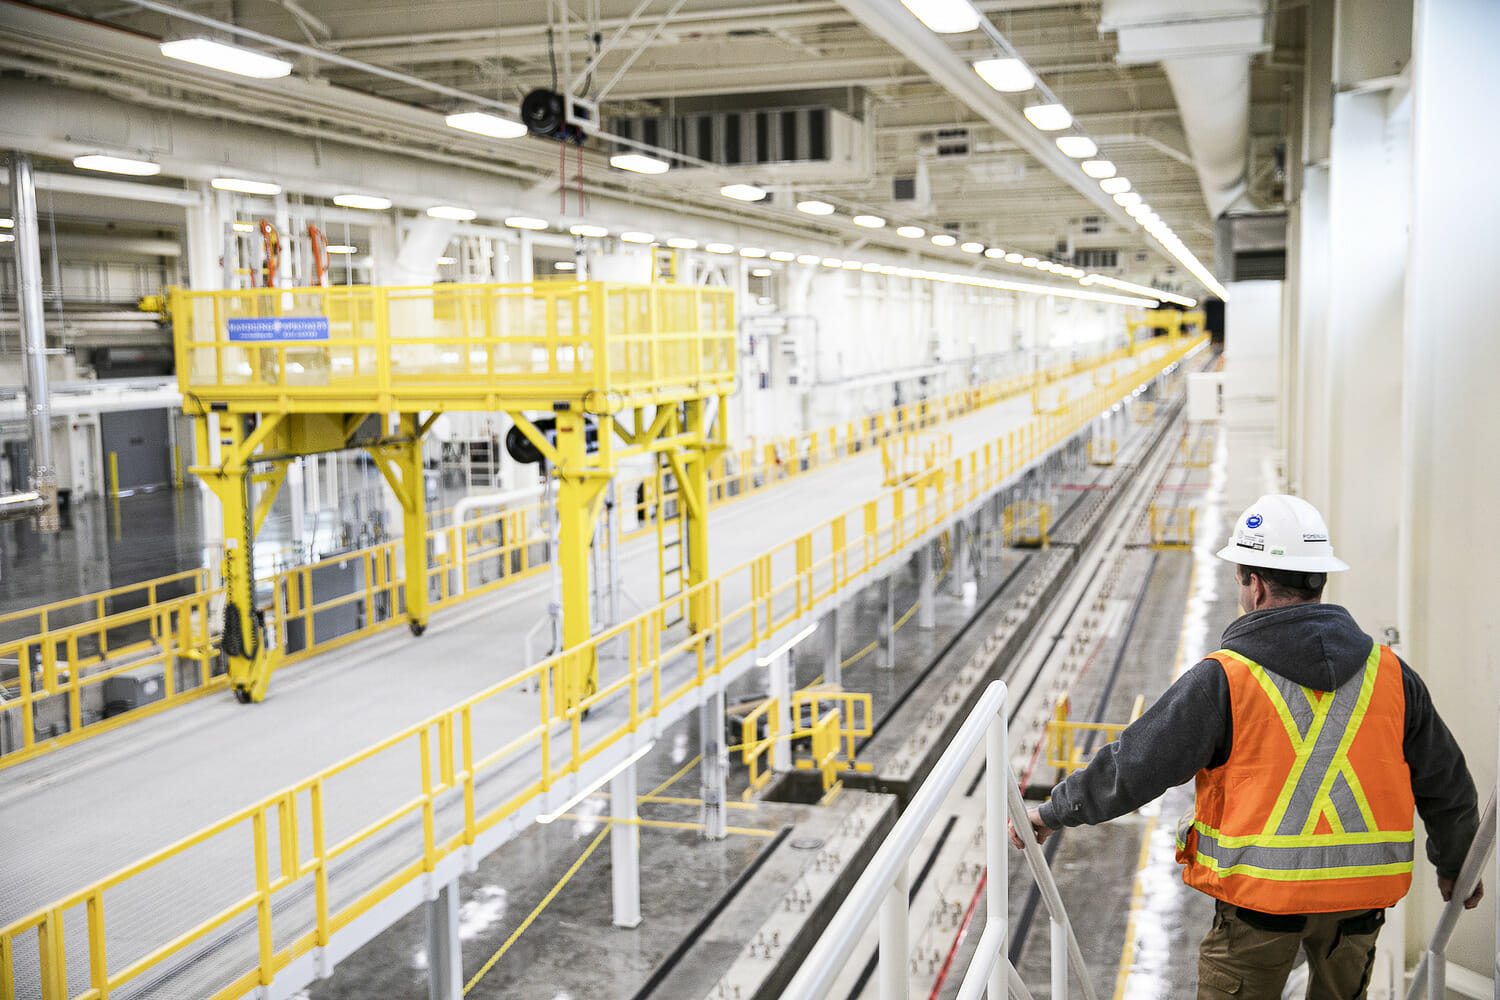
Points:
[1321,832]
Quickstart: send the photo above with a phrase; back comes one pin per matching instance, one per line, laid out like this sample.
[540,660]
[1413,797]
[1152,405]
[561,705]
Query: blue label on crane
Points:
[277,328]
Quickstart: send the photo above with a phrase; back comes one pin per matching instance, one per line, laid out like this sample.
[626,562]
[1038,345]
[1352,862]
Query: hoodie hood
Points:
[1315,645]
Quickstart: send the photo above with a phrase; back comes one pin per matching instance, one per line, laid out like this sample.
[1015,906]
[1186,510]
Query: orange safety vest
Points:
[1312,812]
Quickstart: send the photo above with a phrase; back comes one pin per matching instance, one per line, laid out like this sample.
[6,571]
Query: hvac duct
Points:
[33,335]
[1206,52]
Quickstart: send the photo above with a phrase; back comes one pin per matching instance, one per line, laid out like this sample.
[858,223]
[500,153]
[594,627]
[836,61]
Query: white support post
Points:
[833,664]
[888,627]
[894,944]
[961,572]
[1059,958]
[445,971]
[297,496]
[997,888]
[927,586]
[625,849]
[712,774]
[781,685]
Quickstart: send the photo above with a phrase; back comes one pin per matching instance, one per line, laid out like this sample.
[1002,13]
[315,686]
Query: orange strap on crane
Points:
[272,245]
[319,254]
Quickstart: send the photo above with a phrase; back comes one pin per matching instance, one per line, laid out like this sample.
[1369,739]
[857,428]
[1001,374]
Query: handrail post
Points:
[894,944]
[997,912]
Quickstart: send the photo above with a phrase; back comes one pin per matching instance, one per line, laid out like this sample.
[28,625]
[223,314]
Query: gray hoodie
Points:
[1189,728]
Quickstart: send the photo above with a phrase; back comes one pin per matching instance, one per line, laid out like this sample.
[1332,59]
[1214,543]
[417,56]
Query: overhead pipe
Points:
[33,335]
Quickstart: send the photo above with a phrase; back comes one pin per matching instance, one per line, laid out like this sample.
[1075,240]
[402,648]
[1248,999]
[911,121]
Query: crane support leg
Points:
[580,492]
[400,462]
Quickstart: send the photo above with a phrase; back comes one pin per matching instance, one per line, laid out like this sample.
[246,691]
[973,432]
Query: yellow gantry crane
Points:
[618,370]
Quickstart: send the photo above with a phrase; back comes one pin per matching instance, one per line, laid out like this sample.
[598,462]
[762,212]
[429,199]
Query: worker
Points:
[1311,743]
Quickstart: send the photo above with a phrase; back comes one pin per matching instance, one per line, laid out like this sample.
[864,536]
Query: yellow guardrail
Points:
[850,718]
[1172,527]
[1025,523]
[431,780]
[364,348]
[1143,411]
[911,454]
[1062,748]
[1102,451]
[1197,453]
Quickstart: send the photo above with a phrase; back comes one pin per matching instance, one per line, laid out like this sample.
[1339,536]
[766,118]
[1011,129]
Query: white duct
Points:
[1206,51]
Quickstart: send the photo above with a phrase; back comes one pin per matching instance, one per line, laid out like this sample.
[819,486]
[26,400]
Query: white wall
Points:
[1252,352]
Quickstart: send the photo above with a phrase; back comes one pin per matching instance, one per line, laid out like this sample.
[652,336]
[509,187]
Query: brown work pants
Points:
[1248,956]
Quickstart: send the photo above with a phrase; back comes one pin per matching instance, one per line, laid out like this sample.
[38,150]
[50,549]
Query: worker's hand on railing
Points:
[1041,831]
[1445,886]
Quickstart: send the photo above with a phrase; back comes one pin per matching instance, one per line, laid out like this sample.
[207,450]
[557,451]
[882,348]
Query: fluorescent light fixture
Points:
[815,207]
[869,221]
[1010,76]
[682,243]
[244,227]
[761,272]
[911,232]
[807,258]
[7,238]
[854,265]
[244,186]
[1014,258]
[972,247]
[583,229]
[782,256]
[227,58]
[565,265]
[1028,262]
[452,213]
[1098,169]
[639,163]
[1079,147]
[525,222]
[562,810]
[944,240]
[832,262]
[743,192]
[7,223]
[1114,185]
[442,261]
[1137,210]
[485,123]
[752,252]
[117,165]
[946,17]
[994,253]
[369,202]
[872,268]
[342,248]
[1049,117]
[1127,198]
[630,237]
[720,248]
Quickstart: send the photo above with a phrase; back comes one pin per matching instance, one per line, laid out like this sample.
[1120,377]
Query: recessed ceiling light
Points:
[743,192]
[782,256]
[117,165]
[565,265]
[485,123]
[761,272]
[7,238]
[583,229]
[944,240]
[443,261]
[911,232]
[452,213]
[1010,76]
[244,227]
[1028,262]
[7,223]
[228,58]
[1049,117]
[1114,185]
[631,237]
[1138,210]
[994,253]
[832,262]
[752,252]
[368,202]
[1014,258]
[1079,147]
[946,17]
[1127,198]
[682,243]
[719,247]
[869,221]
[525,222]
[341,248]
[972,247]
[854,265]
[244,186]
[807,258]
[815,207]
[1098,168]
[639,163]
[872,267]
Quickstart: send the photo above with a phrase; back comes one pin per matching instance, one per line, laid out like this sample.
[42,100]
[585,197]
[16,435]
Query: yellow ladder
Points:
[671,542]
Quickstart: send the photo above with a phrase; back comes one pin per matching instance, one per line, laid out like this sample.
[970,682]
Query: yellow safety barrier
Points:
[1062,748]
[1172,527]
[1143,411]
[909,455]
[849,719]
[1043,401]
[437,782]
[1024,524]
[754,748]
[1197,453]
[1102,451]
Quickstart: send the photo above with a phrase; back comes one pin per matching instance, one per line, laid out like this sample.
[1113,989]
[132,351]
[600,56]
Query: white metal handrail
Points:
[883,889]
[1431,976]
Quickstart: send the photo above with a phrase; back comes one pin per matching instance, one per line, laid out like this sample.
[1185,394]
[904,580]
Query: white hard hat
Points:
[1282,532]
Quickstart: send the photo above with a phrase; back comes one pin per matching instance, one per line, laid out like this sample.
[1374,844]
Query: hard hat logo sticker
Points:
[1254,521]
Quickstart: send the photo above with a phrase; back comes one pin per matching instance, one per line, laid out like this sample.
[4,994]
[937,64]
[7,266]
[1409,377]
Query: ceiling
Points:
[706,53]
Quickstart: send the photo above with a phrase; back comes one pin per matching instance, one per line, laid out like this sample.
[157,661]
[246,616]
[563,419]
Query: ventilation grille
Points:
[1097,260]
[748,138]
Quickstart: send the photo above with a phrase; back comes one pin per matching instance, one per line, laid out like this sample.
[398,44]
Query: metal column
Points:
[833,666]
[625,849]
[445,970]
[926,587]
[33,335]
[712,775]
[888,627]
[781,684]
